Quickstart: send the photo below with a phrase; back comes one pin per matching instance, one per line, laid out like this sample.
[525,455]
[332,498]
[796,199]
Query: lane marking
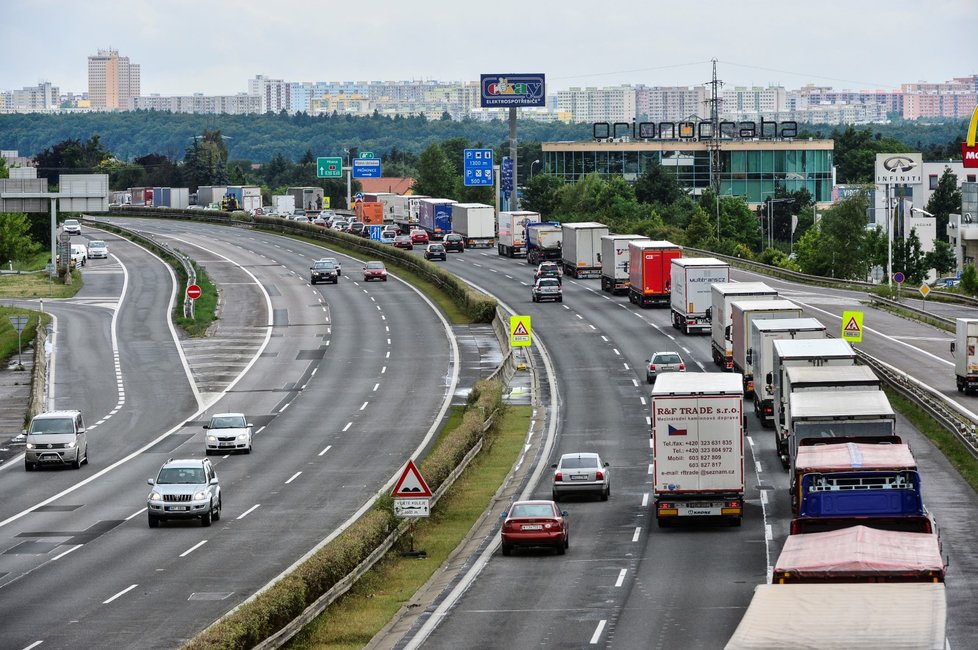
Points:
[621,574]
[193,548]
[293,477]
[642,399]
[635,536]
[376,386]
[598,631]
[136,514]
[364,405]
[635,382]
[34,645]
[616,351]
[70,550]
[248,511]
[768,533]
[346,428]
[604,338]
[645,500]
[124,591]
[328,447]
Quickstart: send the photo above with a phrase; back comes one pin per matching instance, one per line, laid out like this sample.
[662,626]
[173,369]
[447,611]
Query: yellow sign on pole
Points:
[326,202]
[519,331]
[924,290]
[852,326]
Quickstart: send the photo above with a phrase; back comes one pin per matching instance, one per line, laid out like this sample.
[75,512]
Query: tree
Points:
[837,247]
[71,156]
[969,280]
[657,185]
[914,264]
[945,200]
[701,232]
[205,161]
[941,259]
[436,177]
[540,194]
[15,241]
[4,172]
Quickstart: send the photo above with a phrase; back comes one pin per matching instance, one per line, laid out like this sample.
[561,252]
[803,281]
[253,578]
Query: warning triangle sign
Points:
[520,330]
[411,485]
[852,326]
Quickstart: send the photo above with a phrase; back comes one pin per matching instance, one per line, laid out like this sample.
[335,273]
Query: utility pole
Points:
[713,145]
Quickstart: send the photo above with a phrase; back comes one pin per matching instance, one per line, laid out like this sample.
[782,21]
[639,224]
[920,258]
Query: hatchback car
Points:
[547,289]
[454,242]
[661,362]
[535,523]
[56,438]
[335,263]
[357,228]
[419,236]
[323,271]
[72,226]
[393,228]
[404,241]
[548,270]
[581,473]
[97,248]
[185,489]
[228,432]
[435,252]
[387,237]
[374,271]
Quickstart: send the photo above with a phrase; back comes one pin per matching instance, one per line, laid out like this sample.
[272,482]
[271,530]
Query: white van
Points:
[79,253]
[56,438]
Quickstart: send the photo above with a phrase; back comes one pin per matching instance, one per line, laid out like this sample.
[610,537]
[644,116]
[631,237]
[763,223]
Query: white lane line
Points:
[509,277]
[566,307]
[193,548]
[70,550]
[592,326]
[686,350]
[604,338]
[388,355]
[635,536]
[616,351]
[768,533]
[579,316]
[671,336]
[34,645]
[364,405]
[314,371]
[757,466]
[598,631]
[328,447]
[260,430]
[750,441]
[124,591]
[763,497]
[494,270]
[621,574]
[293,477]
[626,366]
[382,317]
[347,427]
[635,381]
[376,386]
[282,410]
[648,420]
[383,370]
[642,400]
[650,469]
[136,514]
[645,500]
[388,341]
[248,511]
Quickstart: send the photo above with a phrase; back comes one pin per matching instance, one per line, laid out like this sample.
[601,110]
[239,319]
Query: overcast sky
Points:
[215,46]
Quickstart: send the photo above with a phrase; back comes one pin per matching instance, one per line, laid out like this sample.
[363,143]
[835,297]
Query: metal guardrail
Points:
[949,322]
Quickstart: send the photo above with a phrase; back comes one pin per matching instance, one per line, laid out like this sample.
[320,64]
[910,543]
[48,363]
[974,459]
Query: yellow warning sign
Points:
[852,326]
[924,290]
[519,331]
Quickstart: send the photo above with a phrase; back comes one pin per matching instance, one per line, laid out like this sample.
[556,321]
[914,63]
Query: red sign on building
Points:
[969,149]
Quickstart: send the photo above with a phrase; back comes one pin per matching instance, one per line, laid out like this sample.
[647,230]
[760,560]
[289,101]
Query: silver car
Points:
[97,248]
[228,432]
[661,362]
[72,226]
[185,489]
[56,438]
[581,473]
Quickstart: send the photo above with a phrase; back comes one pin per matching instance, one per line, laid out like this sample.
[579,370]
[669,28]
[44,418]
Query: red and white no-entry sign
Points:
[193,292]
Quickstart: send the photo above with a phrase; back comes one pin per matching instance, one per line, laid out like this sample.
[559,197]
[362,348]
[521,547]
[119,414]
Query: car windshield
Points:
[375,265]
[324,266]
[71,222]
[96,244]
[666,358]
[52,425]
[436,248]
[229,422]
[578,462]
[181,475]
[532,510]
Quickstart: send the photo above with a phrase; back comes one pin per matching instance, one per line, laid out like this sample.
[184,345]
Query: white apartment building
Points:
[240,104]
[31,99]
[615,104]
[669,103]
[741,100]
[273,93]
[113,82]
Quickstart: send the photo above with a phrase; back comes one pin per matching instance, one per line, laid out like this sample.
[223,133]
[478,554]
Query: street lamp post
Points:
[535,162]
[770,219]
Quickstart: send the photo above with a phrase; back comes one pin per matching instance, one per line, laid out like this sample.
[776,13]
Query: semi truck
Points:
[760,356]
[307,198]
[476,222]
[823,415]
[614,262]
[511,231]
[721,317]
[697,447]
[742,314]
[435,216]
[283,204]
[649,269]
[207,195]
[691,296]
[246,197]
[369,212]
[543,241]
[582,248]
[402,210]
[964,347]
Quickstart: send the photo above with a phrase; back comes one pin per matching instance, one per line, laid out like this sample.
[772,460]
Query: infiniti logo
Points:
[899,163]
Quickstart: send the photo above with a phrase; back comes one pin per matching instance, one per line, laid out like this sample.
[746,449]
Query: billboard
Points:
[506,90]
[969,150]
[899,169]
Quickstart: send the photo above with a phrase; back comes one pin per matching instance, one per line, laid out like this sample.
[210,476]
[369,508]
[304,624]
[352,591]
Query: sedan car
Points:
[547,289]
[581,473]
[374,271]
[535,523]
[661,362]
[323,271]
[435,252]
[72,227]
[97,248]
[184,489]
[419,236]
[228,432]
[404,241]
[454,242]
[548,270]
[387,237]
[357,228]
[335,263]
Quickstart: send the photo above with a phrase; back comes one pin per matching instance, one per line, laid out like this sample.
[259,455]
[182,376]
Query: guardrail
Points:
[946,323]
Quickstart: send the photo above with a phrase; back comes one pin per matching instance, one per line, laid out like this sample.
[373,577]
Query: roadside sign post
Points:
[924,290]
[193,292]
[899,278]
[366,168]
[477,167]
[412,498]
[19,323]
[852,326]
[330,167]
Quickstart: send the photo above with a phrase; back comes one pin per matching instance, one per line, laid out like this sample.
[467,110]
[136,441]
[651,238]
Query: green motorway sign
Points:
[329,167]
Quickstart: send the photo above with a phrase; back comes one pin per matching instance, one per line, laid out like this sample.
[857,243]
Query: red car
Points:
[535,523]
[419,236]
[403,241]
[374,271]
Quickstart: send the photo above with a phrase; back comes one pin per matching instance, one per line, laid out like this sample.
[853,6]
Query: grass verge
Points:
[38,285]
[363,611]
[8,335]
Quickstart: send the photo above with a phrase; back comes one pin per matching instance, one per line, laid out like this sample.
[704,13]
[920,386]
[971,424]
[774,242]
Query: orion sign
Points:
[693,131]
[512,90]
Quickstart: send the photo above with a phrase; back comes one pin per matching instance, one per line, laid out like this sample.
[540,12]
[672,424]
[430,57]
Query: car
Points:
[403,241]
[340,225]
[227,432]
[357,227]
[454,242]
[323,271]
[661,362]
[547,289]
[335,262]
[392,228]
[387,237]
[72,227]
[319,221]
[581,473]
[299,218]
[97,248]
[435,252]
[419,236]
[184,488]
[374,271]
[298,212]
[548,270]
[56,438]
[534,523]
[79,253]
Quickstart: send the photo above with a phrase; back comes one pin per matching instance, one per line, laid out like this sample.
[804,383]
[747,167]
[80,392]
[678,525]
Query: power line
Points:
[805,74]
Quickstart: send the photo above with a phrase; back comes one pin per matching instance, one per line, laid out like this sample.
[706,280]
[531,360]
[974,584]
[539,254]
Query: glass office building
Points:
[748,168]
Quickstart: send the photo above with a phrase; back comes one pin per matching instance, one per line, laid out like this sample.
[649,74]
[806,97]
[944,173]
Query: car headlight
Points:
[155,496]
[211,438]
[242,436]
[71,445]
[200,496]
[30,445]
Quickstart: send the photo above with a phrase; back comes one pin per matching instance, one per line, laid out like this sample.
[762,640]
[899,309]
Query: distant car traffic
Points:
[661,362]
[547,289]
[454,242]
[72,227]
[97,248]
[419,236]
[535,523]
[357,228]
[403,241]
[374,271]
[185,489]
[227,432]
[435,252]
[581,473]
[323,271]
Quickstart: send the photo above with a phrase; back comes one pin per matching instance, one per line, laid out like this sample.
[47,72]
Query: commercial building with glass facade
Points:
[753,168]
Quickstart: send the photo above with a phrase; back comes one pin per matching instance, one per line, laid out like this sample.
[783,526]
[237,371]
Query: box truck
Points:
[283,205]
[582,248]
[511,231]
[721,317]
[435,216]
[697,447]
[649,268]
[543,241]
[614,262]
[307,198]
[476,222]
[742,314]
[760,356]
[691,296]
[822,415]
[965,350]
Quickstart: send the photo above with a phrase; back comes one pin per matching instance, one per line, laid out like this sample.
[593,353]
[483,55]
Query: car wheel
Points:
[606,494]
[567,542]
[507,549]
[207,452]
[76,464]
[336,281]
[85,462]
[154,521]
[561,547]
[248,450]
[554,496]
[313,283]
[560,300]
[217,513]
[648,378]
[28,467]
[205,519]
[384,279]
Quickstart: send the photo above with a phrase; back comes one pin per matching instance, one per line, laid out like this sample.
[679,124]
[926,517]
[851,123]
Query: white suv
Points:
[185,489]
[72,226]
[228,432]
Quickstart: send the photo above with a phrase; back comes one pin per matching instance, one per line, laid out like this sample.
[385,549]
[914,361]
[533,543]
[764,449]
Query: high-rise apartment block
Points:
[113,82]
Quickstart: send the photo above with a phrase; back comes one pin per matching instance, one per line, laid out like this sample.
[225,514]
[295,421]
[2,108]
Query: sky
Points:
[215,46]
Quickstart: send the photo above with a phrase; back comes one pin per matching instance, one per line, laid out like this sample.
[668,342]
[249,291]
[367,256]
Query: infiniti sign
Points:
[899,169]
[900,164]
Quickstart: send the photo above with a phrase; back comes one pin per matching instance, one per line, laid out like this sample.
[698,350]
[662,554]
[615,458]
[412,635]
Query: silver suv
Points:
[185,489]
[56,438]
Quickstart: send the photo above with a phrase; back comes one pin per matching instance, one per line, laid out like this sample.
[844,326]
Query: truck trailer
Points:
[825,415]
[307,198]
[543,241]
[283,204]
[582,248]
[649,268]
[965,350]
[760,356]
[691,295]
[476,222]
[511,231]
[435,216]
[614,262]
[742,314]
[721,317]
[698,447]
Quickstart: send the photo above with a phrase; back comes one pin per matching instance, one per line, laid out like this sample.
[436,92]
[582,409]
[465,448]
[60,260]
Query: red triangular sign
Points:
[520,330]
[411,485]
[852,326]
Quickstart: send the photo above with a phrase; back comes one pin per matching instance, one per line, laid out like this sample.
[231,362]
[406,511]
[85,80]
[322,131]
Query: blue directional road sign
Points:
[375,231]
[366,168]
[506,176]
[477,167]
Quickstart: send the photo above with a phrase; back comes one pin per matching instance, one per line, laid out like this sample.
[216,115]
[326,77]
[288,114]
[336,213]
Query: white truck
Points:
[698,447]
[801,379]
[690,295]
[761,356]
[283,204]
[476,222]
[806,353]
[511,231]
[614,262]
[581,246]
[721,317]
[742,314]
[836,414]
[965,350]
